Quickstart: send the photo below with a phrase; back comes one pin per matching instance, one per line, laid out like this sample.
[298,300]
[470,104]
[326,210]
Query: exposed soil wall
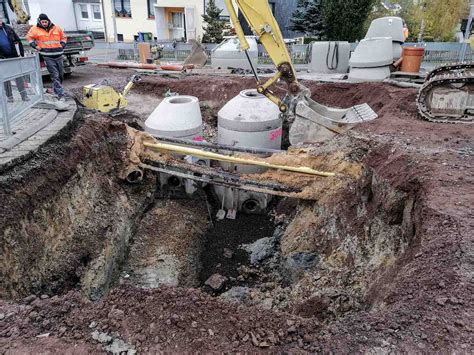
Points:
[355,238]
[65,215]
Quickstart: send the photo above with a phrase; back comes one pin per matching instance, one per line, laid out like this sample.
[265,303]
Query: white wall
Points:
[60,12]
[194,10]
[128,27]
[89,23]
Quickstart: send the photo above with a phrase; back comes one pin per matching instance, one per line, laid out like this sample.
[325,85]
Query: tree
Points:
[438,25]
[378,10]
[308,18]
[442,17]
[344,20]
[214,28]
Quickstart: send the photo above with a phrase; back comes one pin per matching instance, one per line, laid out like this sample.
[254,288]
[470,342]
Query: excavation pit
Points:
[379,262]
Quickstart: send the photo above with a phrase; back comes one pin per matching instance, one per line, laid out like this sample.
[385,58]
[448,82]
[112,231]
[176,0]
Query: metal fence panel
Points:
[436,53]
[21,87]
[439,53]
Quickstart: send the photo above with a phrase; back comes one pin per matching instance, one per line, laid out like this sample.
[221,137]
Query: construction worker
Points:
[11,47]
[406,32]
[49,40]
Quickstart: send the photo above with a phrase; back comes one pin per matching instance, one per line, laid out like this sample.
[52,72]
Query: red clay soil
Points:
[425,307]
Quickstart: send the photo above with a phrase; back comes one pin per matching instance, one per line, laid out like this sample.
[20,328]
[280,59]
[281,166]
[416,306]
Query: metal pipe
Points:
[134,175]
[218,146]
[219,182]
[254,71]
[6,119]
[129,65]
[224,175]
[246,161]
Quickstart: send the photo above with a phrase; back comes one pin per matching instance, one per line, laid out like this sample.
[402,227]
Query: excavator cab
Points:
[310,121]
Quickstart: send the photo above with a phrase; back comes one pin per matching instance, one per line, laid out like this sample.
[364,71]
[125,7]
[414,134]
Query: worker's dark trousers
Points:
[55,68]
[20,84]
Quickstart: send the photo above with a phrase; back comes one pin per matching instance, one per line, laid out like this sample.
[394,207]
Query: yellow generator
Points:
[104,98]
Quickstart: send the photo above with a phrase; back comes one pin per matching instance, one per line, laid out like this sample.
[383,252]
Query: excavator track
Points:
[447,96]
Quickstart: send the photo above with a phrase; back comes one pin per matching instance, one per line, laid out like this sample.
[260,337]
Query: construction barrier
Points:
[436,53]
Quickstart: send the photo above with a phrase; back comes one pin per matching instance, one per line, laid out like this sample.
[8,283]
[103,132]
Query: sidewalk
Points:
[32,130]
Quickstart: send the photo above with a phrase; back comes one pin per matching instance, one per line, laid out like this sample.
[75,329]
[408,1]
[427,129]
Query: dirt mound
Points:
[384,262]
[62,207]
[205,88]
[166,319]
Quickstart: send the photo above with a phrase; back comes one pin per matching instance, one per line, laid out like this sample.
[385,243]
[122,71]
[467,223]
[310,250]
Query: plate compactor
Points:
[104,98]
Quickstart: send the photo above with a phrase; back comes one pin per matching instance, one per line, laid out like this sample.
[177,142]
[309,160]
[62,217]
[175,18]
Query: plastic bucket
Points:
[412,58]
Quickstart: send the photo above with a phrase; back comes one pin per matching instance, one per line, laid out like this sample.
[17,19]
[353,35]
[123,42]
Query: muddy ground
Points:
[383,263]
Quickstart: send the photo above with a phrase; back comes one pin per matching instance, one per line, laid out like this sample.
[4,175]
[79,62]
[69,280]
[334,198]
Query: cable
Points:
[335,56]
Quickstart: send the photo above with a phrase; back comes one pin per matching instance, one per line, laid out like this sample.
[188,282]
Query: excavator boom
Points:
[19,9]
[311,121]
[260,18]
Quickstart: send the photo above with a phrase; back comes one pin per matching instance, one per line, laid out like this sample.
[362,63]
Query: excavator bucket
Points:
[198,56]
[316,123]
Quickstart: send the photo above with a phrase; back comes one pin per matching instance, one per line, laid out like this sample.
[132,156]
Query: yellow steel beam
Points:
[221,157]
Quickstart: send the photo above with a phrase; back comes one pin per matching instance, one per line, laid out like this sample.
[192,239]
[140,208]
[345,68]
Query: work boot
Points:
[26,98]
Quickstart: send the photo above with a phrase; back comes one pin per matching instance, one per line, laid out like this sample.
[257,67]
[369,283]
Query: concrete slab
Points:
[34,121]
[330,57]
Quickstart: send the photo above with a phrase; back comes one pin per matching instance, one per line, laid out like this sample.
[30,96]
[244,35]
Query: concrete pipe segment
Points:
[371,59]
[389,27]
[177,117]
[248,120]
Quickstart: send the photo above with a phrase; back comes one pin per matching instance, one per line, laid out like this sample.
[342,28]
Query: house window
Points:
[84,12]
[151,8]
[122,8]
[96,12]
[177,19]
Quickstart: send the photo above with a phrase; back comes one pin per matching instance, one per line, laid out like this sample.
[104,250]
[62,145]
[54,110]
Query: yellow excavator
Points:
[310,121]
[19,9]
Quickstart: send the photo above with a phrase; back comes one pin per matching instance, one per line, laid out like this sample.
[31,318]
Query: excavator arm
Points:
[18,8]
[260,18]
[310,121]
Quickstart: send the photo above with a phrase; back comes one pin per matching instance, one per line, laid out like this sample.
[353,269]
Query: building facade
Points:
[179,19]
[89,15]
[122,20]
[71,15]
[165,19]
[283,11]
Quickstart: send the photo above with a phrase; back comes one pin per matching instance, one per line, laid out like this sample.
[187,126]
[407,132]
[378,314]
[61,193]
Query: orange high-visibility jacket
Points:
[48,42]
